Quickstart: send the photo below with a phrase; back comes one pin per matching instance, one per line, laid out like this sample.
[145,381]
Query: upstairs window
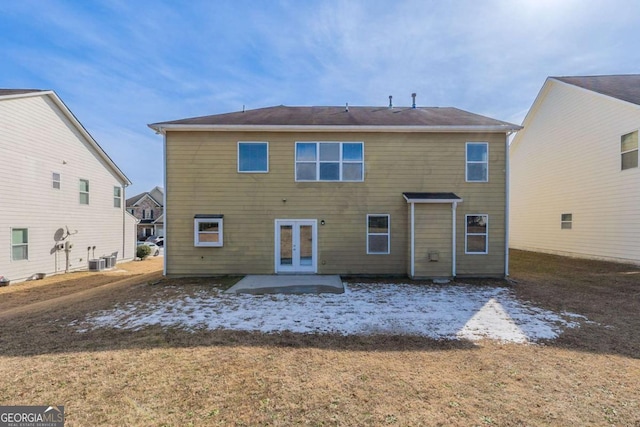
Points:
[55,177]
[84,191]
[253,157]
[19,244]
[477,162]
[208,230]
[477,234]
[629,150]
[329,161]
[566,221]
[378,234]
[117,197]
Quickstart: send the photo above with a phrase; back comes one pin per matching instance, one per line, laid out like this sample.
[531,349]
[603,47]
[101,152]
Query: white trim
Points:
[507,211]
[146,195]
[196,232]
[388,234]
[467,161]
[19,244]
[80,192]
[313,269]
[164,203]
[252,143]
[413,240]
[341,162]
[467,234]
[163,128]
[454,205]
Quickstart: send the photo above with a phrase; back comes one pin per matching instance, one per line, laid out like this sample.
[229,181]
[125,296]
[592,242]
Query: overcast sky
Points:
[120,65]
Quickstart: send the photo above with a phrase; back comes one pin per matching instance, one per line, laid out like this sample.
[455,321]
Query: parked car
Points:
[155,250]
[155,239]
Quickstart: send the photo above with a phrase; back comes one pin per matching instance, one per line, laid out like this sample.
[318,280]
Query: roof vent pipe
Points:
[413,104]
[346,108]
[390,101]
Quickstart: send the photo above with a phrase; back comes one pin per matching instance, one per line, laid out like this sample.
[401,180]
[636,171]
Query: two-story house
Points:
[337,190]
[148,207]
[62,197]
[575,186]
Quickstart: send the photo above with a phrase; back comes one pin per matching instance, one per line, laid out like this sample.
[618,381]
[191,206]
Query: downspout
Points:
[164,201]
[454,205]
[506,207]
[123,203]
[413,243]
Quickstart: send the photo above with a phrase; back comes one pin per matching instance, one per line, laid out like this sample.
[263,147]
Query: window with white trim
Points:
[208,231]
[329,161]
[378,234]
[55,178]
[117,197]
[477,160]
[19,244]
[566,221]
[476,234]
[629,150]
[253,157]
[84,191]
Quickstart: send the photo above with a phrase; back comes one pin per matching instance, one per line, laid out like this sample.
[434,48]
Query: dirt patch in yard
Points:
[166,376]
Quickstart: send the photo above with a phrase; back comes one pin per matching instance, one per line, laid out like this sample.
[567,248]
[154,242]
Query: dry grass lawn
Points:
[156,377]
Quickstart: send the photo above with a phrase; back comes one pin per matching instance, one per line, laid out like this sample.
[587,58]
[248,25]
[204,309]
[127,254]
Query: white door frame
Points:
[296,267]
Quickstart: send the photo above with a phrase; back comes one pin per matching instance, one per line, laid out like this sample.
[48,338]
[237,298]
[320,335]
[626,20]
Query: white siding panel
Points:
[36,139]
[567,160]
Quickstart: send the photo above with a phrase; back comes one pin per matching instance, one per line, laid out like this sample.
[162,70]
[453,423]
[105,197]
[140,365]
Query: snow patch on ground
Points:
[439,312]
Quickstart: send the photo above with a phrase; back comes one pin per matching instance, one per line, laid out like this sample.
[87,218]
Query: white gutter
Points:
[162,128]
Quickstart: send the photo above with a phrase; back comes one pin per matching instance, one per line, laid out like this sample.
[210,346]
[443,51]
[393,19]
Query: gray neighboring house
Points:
[148,207]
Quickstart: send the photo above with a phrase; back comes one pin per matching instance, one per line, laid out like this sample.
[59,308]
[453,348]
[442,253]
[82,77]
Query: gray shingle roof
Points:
[625,86]
[340,116]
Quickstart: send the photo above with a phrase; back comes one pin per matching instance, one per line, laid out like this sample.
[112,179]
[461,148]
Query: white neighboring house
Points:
[62,199]
[575,182]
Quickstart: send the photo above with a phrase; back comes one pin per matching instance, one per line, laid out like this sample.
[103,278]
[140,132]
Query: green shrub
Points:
[143,251]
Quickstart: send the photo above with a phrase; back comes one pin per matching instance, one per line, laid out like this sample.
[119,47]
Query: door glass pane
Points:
[306,245]
[286,247]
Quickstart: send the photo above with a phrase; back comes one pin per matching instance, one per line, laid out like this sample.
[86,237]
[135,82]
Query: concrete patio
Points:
[288,284]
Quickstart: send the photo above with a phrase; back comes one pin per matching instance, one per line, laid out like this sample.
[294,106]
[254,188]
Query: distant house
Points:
[62,197]
[148,207]
[335,190]
[575,182]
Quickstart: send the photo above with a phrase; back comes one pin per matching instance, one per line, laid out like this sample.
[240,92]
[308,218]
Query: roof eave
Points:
[163,128]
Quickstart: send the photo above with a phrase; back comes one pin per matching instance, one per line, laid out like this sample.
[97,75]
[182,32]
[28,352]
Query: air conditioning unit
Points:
[96,264]
[109,261]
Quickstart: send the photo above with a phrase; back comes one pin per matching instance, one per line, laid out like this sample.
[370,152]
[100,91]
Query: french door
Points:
[296,246]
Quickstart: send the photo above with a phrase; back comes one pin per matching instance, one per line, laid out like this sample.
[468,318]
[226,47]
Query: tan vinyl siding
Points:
[202,178]
[36,140]
[433,232]
[567,160]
